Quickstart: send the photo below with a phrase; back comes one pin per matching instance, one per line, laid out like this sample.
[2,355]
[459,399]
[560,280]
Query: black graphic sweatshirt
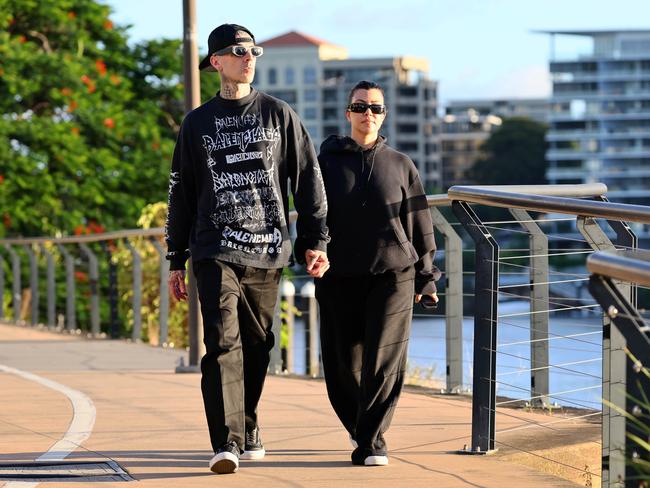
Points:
[229,184]
[378,215]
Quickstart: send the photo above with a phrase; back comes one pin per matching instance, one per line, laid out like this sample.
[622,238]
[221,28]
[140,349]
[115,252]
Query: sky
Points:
[475,48]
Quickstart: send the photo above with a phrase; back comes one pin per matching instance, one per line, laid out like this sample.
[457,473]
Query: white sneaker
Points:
[253,447]
[255,454]
[226,459]
[376,461]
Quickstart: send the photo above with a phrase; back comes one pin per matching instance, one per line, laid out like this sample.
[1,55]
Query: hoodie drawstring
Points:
[372,166]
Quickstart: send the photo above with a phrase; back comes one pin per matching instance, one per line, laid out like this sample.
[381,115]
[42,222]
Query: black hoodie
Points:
[378,215]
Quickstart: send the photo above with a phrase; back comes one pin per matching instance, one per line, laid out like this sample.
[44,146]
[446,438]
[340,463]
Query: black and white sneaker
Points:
[369,457]
[226,459]
[253,449]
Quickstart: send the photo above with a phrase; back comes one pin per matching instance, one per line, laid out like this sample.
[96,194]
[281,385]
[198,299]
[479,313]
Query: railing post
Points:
[93,279]
[485,328]
[137,291]
[453,301]
[114,318]
[288,294]
[538,247]
[308,291]
[16,288]
[70,296]
[51,287]
[2,287]
[33,284]
[617,470]
[163,314]
[614,361]
[275,363]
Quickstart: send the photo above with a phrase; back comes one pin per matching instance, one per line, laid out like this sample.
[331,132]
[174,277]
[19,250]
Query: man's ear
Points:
[347,115]
[214,61]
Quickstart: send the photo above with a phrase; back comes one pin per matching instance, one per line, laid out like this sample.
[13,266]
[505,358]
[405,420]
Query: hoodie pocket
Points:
[404,243]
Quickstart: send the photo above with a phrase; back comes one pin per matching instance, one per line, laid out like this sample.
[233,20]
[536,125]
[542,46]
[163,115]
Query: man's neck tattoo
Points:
[231,90]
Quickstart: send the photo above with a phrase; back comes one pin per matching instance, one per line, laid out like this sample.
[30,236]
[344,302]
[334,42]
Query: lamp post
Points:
[192,100]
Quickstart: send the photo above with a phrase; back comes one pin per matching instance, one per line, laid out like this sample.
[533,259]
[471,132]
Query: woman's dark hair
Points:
[364,85]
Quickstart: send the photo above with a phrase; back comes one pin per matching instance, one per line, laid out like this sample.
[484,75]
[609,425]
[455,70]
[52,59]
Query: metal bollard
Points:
[308,291]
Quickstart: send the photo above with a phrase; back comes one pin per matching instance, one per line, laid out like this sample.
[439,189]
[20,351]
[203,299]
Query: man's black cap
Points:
[223,36]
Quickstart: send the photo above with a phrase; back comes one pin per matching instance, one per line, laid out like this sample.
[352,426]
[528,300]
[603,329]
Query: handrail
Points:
[433,201]
[107,236]
[577,191]
[546,203]
[465,193]
[440,200]
[625,265]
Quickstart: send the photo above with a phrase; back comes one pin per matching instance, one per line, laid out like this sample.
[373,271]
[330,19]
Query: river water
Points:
[571,385]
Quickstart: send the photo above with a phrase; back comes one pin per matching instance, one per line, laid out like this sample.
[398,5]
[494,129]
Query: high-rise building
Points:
[461,136]
[467,124]
[315,77]
[533,108]
[600,114]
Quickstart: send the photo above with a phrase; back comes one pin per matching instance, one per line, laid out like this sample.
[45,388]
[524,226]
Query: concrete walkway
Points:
[151,422]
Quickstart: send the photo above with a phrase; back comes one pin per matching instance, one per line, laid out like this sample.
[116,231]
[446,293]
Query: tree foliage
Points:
[515,154]
[88,121]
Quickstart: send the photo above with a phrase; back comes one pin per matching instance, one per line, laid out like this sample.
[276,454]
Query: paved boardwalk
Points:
[150,421]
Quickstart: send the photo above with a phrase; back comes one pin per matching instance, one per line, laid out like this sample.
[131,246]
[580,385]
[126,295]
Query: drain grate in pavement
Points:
[64,471]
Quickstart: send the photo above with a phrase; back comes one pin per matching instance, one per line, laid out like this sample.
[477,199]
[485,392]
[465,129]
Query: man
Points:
[228,208]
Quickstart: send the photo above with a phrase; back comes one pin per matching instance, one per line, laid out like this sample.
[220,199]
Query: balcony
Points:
[569,135]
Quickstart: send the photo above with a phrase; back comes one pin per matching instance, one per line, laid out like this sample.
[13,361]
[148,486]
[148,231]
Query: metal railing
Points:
[474,255]
[597,234]
[77,253]
[628,405]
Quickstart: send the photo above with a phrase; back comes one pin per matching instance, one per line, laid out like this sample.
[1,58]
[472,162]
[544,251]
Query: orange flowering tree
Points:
[88,120]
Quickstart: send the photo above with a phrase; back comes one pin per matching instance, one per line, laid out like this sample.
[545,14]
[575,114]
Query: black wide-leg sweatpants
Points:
[237,306]
[365,325]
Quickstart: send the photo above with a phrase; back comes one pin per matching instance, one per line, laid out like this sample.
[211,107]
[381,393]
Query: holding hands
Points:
[317,263]
[177,287]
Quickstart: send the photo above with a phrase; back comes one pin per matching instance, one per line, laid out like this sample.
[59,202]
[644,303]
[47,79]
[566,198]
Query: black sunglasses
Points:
[241,51]
[360,108]
[428,303]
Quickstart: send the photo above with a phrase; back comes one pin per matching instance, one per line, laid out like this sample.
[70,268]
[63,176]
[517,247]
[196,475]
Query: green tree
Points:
[513,155]
[89,122]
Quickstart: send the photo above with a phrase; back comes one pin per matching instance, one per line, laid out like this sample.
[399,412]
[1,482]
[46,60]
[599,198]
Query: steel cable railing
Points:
[534,298]
[490,236]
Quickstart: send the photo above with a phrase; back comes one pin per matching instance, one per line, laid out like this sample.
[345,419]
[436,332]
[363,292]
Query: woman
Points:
[381,253]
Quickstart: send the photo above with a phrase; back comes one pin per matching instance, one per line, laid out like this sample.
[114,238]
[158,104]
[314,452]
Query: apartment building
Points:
[600,114]
[315,77]
[461,137]
[468,123]
[533,108]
